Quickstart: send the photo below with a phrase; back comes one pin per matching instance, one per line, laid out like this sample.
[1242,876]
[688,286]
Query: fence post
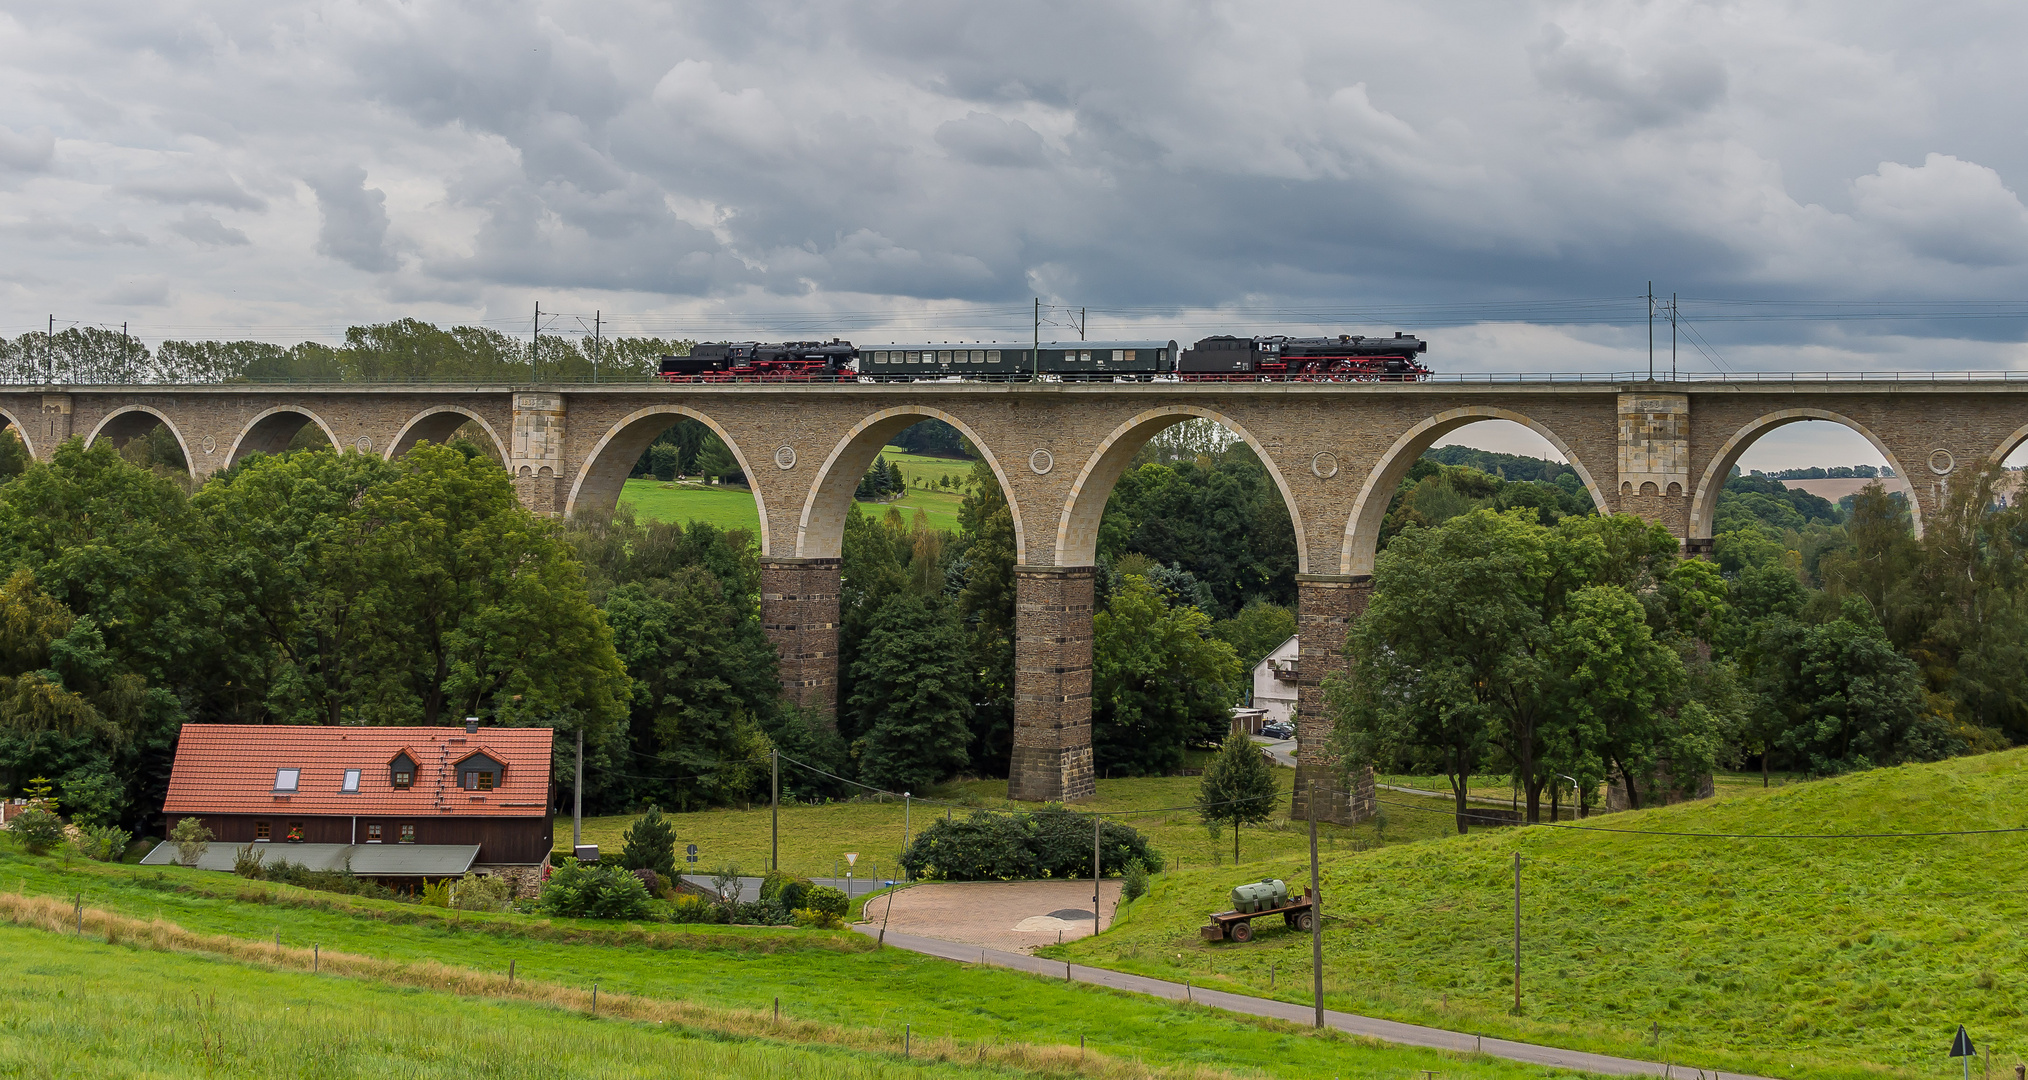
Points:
[907,1030]
[510,973]
[316,957]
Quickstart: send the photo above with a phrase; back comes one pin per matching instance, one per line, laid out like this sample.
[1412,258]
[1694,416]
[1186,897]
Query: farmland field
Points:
[187,972]
[1834,956]
[733,507]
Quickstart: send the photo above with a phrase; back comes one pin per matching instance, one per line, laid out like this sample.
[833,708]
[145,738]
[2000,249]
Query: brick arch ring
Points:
[1369,510]
[247,429]
[1704,507]
[20,431]
[820,532]
[595,484]
[107,420]
[1077,528]
[401,443]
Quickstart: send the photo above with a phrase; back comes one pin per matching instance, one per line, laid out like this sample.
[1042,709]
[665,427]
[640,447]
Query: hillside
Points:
[1839,957]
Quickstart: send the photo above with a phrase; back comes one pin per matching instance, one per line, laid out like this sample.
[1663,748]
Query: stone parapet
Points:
[799,612]
[1326,604]
[1052,684]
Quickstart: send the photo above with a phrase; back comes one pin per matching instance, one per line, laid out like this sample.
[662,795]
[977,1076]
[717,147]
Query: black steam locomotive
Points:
[1345,358]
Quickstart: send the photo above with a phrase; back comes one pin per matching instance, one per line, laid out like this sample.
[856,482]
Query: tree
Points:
[1160,682]
[665,460]
[911,696]
[981,566]
[1849,700]
[1619,691]
[651,845]
[1258,629]
[1237,787]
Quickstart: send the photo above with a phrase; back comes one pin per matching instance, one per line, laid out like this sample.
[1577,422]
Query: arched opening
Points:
[11,423]
[145,437]
[2012,454]
[280,430]
[1826,455]
[444,425]
[821,531]
[671,463]
[1504,439]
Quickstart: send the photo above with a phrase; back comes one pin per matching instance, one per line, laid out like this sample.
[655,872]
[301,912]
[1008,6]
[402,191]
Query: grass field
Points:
[1501,788]
[185,972]
[733,507]
[815,838]
[1780,956]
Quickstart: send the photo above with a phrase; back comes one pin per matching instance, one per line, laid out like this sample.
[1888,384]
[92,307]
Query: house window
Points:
[408,834]
[479,780]
[285,779]
[403,778]
[295,832]
[261,830]
[372,834]
[351,780]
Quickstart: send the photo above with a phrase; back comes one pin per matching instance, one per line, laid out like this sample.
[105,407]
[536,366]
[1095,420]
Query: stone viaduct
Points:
[1337,451]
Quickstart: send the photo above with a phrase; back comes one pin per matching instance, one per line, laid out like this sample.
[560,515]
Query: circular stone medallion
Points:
[1941,462]
[1324,463]
[785,457]
[1041,461]
[364,443]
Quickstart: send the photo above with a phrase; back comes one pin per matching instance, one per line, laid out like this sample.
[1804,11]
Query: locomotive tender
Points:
[1345,358]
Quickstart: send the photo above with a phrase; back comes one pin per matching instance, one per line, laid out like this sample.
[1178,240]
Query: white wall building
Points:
[1274,683]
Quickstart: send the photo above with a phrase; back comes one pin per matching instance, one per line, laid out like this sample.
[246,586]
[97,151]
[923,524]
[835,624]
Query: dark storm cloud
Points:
[355,219]
[892,153]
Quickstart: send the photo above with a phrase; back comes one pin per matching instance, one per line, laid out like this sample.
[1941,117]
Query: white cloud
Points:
[202,228]
[1957,211]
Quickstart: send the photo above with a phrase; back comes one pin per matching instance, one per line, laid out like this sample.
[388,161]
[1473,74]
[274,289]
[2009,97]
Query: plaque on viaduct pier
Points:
[1336,451]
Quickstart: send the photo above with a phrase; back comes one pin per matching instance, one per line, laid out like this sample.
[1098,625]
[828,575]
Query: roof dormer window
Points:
[351,780]
[401,771]
[286,779]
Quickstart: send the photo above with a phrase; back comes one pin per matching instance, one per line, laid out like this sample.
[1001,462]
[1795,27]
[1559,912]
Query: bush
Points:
[826,899]
[820,920]
[649,880]
[191,839]
[104,843]
[785,889]
[991,846]
[284,872]
[481,892]
[758,913]
[37,829]
[246,862]
[594,892]
[695,909]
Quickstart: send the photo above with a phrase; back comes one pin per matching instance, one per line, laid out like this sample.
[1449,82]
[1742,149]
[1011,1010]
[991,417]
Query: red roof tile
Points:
[230,769]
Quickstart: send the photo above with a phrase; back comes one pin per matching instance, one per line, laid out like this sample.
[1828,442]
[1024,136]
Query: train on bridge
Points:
[1224,358]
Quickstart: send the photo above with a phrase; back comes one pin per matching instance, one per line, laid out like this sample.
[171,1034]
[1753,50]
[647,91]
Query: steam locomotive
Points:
[1345,358]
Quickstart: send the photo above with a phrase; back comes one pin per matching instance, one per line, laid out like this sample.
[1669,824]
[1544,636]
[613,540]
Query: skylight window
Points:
[285,779]
[351,780]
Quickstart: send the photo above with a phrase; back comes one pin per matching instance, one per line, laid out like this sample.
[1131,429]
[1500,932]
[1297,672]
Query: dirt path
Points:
[1017,916]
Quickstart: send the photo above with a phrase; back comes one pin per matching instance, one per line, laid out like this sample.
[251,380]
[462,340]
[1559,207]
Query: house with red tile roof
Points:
[393,802]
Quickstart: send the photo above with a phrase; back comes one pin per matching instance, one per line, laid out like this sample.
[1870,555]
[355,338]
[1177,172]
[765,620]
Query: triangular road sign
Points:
[1962,1045]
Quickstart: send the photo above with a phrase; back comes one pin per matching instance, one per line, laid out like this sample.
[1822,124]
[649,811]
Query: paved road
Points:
[1283,751]
[749,887]
[1386,1030]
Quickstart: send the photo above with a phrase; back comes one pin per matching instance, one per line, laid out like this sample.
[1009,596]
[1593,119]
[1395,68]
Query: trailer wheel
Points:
[1242,932]
[1306,921]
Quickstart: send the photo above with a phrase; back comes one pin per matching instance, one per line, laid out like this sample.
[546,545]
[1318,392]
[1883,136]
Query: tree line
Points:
[405,350]
[1564,653]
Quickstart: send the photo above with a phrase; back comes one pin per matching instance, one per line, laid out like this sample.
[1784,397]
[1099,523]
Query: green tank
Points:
[1260,896]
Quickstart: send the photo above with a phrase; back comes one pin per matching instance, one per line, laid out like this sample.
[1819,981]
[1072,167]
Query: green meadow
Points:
[733,507]
[1827,957]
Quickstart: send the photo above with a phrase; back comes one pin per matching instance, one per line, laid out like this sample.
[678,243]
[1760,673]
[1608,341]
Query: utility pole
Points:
[775,816]
[1316,911]
[596,342]
[1094,875]
[1035,356]
[126,351]
[577,794]
[49,350]
[1517,933]
[1651,331]
[1672,337]
[907,809]
[1081,320]
[535,343]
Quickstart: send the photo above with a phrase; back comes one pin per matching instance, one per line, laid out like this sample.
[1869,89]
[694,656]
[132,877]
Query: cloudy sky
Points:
[1502,177]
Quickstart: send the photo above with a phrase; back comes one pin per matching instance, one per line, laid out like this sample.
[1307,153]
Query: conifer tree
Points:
[1238,787]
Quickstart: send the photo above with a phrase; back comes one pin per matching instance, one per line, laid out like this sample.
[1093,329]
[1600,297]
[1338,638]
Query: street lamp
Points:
[1575,793]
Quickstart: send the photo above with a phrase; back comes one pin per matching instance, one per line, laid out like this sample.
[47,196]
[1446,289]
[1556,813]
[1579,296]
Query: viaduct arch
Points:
[1660,450]
[132,421]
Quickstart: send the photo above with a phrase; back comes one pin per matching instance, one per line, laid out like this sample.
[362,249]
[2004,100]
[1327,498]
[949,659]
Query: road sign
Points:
[690,853]
[1962,1045]
[851,858]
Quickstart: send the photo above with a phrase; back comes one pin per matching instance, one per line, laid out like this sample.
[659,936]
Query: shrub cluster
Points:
[698,909]
[37,830]
[994,846]
[594,892]
[251,863]
[785,889]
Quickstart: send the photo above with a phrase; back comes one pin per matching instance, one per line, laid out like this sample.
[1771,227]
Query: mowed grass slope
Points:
[814,839]
[733,507]
[842,998]
[1780,956]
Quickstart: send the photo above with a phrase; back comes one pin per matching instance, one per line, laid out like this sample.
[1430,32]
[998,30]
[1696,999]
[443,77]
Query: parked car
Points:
[1278,729]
